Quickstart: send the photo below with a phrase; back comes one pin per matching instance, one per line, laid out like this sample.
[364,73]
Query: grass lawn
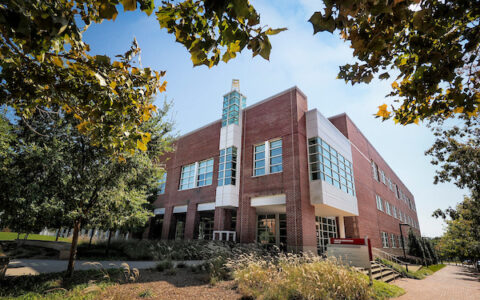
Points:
[419,274]
[385,290]
[10,236]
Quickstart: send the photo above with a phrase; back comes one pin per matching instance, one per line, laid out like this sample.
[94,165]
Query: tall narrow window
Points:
[227,166]
[387,208]
[395,190]
[379,202]
[382,177]
[393,240]
[384,239]
[375,170]
[259,158]
[205,172]
[276,156]
[162,183]
[187,178]
[394,210]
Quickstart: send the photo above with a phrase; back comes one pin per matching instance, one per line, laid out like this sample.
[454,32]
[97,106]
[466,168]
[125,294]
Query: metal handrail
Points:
[382,254]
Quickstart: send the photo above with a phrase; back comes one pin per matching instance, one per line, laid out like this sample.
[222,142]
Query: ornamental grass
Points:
[291,276]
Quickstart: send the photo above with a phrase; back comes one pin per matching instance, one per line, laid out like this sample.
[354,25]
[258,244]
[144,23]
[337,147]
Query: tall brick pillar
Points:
[167,220]
[191,221]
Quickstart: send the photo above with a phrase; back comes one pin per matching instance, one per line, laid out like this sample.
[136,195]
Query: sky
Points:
[298,58]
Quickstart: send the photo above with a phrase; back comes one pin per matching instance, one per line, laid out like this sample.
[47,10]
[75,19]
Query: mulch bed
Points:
[183,285]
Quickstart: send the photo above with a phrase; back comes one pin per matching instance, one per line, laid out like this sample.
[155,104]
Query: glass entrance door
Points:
[272,229]
[326,228]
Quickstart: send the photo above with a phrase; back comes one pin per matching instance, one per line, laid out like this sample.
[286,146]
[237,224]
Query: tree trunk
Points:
[107,250]
[26,236]
[18,235]
[73,248]
[91,237]
[58,234]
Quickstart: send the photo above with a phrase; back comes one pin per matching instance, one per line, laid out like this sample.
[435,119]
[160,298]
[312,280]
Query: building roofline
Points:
[368,141]
[248,107]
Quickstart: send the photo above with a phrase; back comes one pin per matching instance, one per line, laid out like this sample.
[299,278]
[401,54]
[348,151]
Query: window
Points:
[387,208]
[187,178]
[375,170]
[276,156]
[390,184]
[162,183]
[384,239]
[227,166]
[394,210]
[395,189]
[382,177]
[197,174]
[268,158]
[205,172]
[330,166]
[379,202]
[266,230]
[399,241]
[231,108]
[393,240]
[326,228]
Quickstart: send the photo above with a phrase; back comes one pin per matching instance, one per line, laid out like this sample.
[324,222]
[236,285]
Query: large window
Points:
[227,167]
[162,183]
[394,211]
[232,103]
[205,172]
[326,228]
[267,158]
[330,166]
[187,178]
[197,174]
[205,225]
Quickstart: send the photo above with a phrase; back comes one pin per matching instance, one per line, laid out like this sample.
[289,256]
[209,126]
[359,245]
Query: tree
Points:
[462,237]
[44,62]
[80,178]
[431,46]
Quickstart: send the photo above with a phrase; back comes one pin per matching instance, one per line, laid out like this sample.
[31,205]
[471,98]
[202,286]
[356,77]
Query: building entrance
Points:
[272,229]
[326,228]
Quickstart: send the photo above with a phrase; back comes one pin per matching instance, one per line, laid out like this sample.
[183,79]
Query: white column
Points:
[341,227]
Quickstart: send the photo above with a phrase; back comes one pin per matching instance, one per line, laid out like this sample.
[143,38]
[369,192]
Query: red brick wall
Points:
[371,221]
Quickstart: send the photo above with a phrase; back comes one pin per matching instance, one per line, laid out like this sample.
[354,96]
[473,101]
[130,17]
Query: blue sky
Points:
[297,58]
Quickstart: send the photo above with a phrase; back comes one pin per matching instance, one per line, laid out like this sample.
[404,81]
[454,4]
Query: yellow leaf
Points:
[129,5]
[77,117]
[57,61]
[383,112]
[415,121]
[117,64]
[395,85]
[135,70]
[81,126]
[121,159]
[458,110]
[472,114]
[113,85]
[141,145]
[163,87]
[146,137]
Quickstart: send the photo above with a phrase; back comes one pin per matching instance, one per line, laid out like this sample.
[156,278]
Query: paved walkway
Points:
[36,266]
[451,282]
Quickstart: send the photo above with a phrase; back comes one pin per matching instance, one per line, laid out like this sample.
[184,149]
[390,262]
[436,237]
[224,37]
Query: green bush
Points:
[164,265]
[419,274]
[297,277]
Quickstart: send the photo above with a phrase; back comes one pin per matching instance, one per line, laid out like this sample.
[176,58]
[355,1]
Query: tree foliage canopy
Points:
[45,63]
[430,46]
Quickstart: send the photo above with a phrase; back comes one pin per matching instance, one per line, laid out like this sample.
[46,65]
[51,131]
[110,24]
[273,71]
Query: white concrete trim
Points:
[206,206]
[180,209]
[268,200]
[159,211]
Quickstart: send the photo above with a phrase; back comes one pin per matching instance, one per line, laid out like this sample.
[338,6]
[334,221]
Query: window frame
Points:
[162,184]
[196,166]
[267,157]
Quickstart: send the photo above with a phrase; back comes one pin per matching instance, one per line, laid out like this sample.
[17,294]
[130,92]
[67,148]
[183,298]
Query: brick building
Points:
[277,172]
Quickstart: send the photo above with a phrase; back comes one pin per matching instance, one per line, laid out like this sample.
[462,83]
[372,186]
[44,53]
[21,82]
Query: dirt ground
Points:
[183,285]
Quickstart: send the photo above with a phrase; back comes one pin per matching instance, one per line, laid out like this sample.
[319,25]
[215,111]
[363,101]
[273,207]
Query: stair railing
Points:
[385,255]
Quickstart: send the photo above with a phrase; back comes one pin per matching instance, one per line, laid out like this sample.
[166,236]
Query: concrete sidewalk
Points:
[18,267]
[451,282]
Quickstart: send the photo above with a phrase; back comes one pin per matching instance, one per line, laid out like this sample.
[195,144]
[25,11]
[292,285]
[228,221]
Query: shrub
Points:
[171,272]
[289,276]
[146,294]
[164,265]
[181,265]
